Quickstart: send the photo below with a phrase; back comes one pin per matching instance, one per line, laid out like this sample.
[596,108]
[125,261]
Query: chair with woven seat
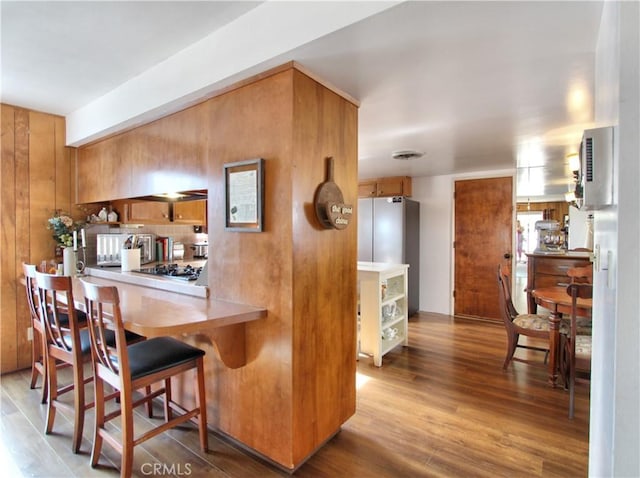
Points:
[128,368]
[576,346]
[67,342]
[530,325]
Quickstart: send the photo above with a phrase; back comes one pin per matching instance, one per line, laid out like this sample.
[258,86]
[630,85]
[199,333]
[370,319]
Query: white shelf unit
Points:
[383,308]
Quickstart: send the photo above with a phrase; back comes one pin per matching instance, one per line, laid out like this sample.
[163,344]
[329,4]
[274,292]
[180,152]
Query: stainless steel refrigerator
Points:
[389,231]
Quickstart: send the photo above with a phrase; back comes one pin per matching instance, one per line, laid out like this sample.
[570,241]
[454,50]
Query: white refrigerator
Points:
[389,232]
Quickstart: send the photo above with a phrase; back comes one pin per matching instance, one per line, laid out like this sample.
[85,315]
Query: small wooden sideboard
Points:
[550,270]
[383,306]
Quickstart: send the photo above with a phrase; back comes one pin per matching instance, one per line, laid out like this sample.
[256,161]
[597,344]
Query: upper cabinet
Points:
[158,157]
[135,211]
[190,212]
[147,212]
[385,187]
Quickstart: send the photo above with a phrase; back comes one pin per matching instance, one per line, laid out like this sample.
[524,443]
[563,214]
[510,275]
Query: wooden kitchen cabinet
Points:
[190,212]
[383,305]
[385,187]
[159,212]
[142,212]
[550,270]
[148,212]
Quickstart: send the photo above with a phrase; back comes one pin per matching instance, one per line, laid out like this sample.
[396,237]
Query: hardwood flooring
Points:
[442,407]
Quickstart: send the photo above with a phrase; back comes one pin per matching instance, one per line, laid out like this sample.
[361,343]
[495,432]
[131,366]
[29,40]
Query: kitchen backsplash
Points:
[179,233]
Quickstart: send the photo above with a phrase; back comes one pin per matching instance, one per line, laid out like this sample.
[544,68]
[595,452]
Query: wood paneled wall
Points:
[36,178]
[299,384]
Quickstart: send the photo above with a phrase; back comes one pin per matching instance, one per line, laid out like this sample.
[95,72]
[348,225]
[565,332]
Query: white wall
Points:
[249,45]
[435,197]
[435,194]
[615,387]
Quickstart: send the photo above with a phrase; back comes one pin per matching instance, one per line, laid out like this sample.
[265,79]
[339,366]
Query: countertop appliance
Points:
[200,249]
[389,232]
[108,247]
[551,238]
[172,271]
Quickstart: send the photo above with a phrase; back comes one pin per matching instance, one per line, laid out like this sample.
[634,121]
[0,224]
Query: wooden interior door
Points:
[483,239]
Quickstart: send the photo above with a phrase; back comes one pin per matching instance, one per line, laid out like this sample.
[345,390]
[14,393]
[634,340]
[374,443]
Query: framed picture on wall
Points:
[244,195]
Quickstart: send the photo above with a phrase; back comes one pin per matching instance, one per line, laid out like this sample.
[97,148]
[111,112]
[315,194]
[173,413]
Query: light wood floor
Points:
[441,407]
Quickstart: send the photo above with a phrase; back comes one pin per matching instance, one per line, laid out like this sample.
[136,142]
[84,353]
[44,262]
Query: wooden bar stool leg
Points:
[147,391]
[99,421]
[126,461]
[39,362]
[79,407]
[168,414]
[35,359]
[52,394]
[202,404]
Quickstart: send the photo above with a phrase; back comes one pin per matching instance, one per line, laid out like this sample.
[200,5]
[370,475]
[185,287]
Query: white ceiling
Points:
[475,86]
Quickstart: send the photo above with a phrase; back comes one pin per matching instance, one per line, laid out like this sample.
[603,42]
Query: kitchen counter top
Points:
[155,282]
[155,312]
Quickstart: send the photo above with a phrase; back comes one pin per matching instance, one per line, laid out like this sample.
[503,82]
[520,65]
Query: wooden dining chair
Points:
[582,275]
[38,344]
[66,343]
[530,325]
[129,368]
[576,347]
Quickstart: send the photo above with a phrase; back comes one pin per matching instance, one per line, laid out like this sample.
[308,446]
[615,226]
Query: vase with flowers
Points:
[63,227]
[65,234]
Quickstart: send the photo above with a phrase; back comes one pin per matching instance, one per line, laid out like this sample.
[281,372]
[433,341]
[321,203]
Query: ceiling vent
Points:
[406,154]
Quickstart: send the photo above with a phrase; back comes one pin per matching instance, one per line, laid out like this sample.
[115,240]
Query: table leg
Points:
[554,345]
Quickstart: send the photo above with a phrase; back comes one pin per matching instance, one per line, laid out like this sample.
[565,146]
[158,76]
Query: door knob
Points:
[507,255]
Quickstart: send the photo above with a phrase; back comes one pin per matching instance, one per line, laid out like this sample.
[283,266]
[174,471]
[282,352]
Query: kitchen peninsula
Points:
[154,312]
[296,387]
[297,384]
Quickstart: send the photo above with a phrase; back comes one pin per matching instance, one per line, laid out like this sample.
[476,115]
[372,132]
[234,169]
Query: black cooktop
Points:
[172,271]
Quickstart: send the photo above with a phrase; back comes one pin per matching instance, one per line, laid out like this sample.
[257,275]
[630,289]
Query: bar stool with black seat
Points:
[38,343]
[128,368]
[67,342]
[38,362]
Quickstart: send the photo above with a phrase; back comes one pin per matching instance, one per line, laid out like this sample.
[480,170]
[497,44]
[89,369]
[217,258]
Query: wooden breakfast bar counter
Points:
[154,312]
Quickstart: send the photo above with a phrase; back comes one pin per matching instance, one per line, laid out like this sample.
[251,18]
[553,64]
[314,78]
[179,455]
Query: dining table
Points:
[558,302]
